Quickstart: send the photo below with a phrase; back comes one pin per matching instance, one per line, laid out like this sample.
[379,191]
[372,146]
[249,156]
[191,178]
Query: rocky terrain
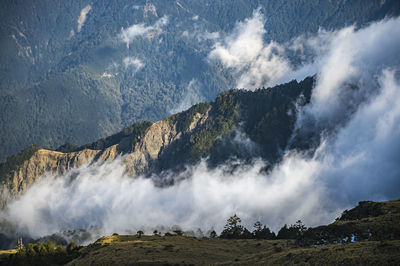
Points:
[147,148]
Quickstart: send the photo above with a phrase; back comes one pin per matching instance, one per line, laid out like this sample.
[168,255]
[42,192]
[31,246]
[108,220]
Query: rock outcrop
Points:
[140,160]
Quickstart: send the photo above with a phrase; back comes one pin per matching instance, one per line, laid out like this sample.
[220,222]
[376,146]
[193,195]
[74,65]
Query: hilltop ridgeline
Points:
[239,124]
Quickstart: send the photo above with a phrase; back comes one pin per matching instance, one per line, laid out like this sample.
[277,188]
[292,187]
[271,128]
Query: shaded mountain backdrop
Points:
[237,125]
[78,71]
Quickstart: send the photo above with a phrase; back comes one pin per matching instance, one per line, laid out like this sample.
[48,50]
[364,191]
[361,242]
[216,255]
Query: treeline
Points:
[15,160]
[55,254]
[43,254]
[234,230]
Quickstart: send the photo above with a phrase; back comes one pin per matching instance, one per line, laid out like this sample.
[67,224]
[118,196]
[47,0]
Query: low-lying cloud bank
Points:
[357,97]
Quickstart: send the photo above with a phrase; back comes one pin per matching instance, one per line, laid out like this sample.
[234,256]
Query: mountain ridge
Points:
[265,116]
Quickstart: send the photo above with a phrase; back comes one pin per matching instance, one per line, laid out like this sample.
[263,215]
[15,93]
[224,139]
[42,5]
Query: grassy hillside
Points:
[179,250]
[369,221]
[183,251]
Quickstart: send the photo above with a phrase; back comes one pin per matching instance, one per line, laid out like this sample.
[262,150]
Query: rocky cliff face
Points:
[140,160]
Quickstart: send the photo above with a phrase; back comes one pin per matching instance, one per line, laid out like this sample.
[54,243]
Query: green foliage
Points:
[139,233]
[132,135]
[44,254]
[72,247]
[68,147]
[184,119]
[14,161]
[177,230]
[233,229]
[294,231]
[223,116]
[266,116]
[262,232]
[213,234]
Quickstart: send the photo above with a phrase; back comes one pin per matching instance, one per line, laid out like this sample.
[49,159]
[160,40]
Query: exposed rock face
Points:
[146,150]
[159,136]
[43,161]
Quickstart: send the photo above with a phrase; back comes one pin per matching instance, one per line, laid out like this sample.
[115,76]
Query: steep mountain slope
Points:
[67,75]
[238,124]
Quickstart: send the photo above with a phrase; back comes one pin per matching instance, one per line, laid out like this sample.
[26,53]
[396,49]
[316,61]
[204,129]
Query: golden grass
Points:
[8,251]
[5,253]
[123,250]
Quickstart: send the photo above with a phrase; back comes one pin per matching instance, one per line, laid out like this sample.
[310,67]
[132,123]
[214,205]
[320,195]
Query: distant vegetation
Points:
[265,116]
[132,134]
[44,254]
[234,230]
[184,119]
[52,88]
[14,161]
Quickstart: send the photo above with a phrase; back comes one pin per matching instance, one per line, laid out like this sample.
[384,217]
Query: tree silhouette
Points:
[294,231]
[233,228]
[139,233]
[262,232]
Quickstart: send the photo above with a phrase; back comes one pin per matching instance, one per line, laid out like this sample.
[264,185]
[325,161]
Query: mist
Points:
[354,108]
[136,30]
[192,95]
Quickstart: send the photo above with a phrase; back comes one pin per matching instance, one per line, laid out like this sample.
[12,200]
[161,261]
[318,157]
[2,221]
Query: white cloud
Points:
[134,62]
[354,57]
[136,30]
[191,97]
[364,154]
[106,198]
[82,17]
[201,35]
[244,52]
[337,56]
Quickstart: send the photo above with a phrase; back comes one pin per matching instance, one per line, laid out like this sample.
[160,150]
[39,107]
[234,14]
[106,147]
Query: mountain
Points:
[238,124]
[78,71]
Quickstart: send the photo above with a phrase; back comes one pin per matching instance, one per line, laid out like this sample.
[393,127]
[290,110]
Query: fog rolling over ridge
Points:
[355,108]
